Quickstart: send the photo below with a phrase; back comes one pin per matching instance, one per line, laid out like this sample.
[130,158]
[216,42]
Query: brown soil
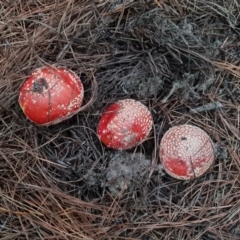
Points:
[60,182]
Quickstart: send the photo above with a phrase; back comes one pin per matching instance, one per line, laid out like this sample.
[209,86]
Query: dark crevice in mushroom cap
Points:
[39,84]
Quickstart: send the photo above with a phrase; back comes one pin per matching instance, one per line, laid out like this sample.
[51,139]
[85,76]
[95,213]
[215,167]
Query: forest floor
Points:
[60,182]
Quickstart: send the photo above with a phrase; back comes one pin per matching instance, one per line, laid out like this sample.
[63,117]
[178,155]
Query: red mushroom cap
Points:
[186,152]
[124,124]
[51,95]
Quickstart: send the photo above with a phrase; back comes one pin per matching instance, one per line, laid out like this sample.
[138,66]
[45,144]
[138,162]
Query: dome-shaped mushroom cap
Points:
[125,124]
[51,95]
[186,152]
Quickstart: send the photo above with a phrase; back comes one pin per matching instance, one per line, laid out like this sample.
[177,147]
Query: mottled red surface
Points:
[50,95]
[186,152]
[124,124]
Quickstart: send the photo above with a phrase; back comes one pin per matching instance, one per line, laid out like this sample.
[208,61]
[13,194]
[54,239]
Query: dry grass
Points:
[172,56]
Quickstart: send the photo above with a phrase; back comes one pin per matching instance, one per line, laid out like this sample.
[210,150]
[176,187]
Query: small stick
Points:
[206,107]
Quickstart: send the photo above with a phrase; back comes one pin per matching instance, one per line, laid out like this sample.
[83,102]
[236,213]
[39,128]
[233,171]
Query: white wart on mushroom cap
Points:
[124,124]
[186,152]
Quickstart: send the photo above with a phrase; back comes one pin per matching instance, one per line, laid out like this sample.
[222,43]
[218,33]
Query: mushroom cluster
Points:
[51,95]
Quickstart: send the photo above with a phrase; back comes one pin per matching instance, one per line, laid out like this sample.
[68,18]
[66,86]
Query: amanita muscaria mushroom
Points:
[186,152]
[124,124]
[50,95]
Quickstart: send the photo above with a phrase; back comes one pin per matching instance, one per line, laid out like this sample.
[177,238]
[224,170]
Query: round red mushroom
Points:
[124,124]
[50,95]
[186,152]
